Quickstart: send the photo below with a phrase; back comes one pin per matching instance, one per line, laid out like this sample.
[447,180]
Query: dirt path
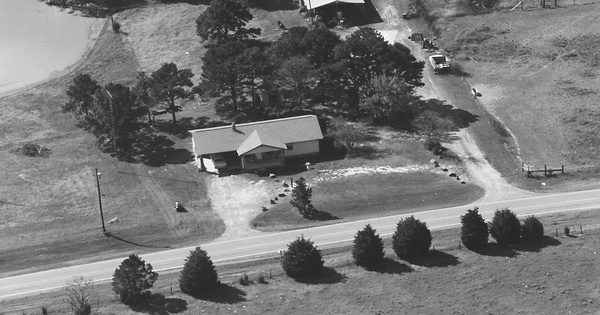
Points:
[479,169]
[237,200]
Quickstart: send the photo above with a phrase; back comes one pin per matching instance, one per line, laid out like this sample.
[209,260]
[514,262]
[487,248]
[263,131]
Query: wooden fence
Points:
[547,171]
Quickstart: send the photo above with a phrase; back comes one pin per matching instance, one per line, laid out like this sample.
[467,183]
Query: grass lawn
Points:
[555,275]
[352,196]
[50,205]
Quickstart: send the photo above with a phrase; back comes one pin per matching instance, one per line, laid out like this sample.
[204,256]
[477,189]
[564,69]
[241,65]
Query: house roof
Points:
[313,4]
[256,140]
[269,132]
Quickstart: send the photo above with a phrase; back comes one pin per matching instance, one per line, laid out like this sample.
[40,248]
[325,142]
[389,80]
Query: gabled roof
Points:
[269,132]
[313,4]
[256,140]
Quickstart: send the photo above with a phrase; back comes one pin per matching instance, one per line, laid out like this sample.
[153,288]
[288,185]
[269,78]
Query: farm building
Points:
[256,146]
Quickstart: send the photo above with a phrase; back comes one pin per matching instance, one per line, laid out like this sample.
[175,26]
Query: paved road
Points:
[224,251]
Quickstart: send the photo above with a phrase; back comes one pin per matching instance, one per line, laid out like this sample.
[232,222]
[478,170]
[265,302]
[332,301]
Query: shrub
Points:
[532,229]
[302,259]
[505,228]
[33,149]
[301,197]
[474,232]
[261,279]
[244,279]
[116,26]
[132,279]
[199,274]
[79,296]
[368,247]
[411,239]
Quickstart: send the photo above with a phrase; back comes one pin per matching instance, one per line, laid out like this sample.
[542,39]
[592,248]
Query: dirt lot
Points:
[541,82]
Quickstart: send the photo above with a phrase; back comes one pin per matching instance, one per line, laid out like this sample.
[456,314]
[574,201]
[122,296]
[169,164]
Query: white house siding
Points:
[303,148]
[261,149]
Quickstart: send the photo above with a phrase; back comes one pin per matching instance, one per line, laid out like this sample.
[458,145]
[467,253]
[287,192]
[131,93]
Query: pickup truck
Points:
[439,63]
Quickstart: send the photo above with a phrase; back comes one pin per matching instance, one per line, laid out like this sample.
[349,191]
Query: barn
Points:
[256,146]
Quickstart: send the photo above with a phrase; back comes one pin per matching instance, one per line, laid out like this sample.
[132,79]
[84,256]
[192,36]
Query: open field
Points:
[538,77]
[558,275]
[50,205]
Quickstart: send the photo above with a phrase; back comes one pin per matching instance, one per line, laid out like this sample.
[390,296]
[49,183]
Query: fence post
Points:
[545,170]
[562,169]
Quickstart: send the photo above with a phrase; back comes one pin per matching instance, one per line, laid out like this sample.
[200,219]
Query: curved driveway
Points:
[268,244]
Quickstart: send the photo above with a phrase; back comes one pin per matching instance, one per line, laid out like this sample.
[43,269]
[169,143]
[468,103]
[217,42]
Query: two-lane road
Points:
[223,251]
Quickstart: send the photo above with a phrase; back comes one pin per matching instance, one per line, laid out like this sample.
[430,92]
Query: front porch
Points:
[262,160]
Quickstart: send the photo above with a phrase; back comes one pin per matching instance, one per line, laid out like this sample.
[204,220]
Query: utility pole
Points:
[100,201]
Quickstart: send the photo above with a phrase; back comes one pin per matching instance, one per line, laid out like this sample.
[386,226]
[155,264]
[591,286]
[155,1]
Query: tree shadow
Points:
[496,250]
[326,276]
[460,117]
[184,124]
[434,258]
[536,245]
[457,70]
[157,304]
[391,266]
[323,216]
[273,5]
[192,2]
[224,294]
[154,150]
[366,151]
[111,235]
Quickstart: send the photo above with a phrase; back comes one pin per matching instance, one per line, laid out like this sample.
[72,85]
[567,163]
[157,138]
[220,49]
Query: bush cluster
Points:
[474,231]
[532,229]
[302,259]
[368,247]
[505,227]
[411,239]
[199,274]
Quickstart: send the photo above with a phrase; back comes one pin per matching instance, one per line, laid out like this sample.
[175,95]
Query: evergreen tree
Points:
[411,239]
[474,231]
[224,20]
[199,274]
[368,247]
[302,259]
[505,227]
[532,229]
[301,195]
[132,279]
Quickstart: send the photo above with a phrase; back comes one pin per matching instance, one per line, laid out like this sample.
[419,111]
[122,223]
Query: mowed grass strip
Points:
[363,196]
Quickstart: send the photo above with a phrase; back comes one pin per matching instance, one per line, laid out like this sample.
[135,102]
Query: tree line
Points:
[362,76]
[301,260]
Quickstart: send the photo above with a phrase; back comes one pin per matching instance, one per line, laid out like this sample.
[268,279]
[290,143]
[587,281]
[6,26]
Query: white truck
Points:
[439,63]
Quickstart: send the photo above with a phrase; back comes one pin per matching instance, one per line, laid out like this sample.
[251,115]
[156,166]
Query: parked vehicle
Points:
[177,109]
[439,63]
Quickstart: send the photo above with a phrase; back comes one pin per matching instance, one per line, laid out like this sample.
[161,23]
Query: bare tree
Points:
[79,295]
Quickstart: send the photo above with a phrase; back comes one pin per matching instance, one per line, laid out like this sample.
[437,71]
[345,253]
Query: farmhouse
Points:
[256,146]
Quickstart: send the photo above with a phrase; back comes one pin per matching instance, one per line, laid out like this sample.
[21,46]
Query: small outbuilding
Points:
[256,146]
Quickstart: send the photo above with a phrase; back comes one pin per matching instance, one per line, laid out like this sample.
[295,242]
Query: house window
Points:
[289,146]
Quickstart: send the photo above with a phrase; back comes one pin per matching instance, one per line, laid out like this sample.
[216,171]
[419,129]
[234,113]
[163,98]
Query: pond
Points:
[38,42]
